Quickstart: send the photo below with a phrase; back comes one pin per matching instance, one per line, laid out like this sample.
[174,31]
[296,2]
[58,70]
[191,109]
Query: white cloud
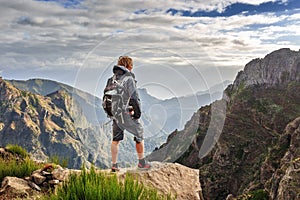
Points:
[45,36]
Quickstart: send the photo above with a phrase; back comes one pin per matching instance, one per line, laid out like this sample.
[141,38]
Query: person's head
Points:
[126,62]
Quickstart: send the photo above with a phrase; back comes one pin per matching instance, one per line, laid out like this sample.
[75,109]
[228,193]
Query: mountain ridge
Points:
[44,126]
[277,68]
[83,112]
[176,111]
[254,154]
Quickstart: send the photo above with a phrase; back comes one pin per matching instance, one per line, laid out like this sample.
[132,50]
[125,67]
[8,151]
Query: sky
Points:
[178,47]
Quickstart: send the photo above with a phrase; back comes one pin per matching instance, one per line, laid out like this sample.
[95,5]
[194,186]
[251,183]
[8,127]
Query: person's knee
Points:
[138,140]
[115,142]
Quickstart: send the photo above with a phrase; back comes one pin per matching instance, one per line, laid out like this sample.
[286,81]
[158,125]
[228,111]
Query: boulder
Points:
[38,178]
[169,178]
[15,188]
[60,174]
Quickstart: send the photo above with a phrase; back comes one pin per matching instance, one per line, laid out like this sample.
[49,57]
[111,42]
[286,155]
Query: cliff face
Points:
[256,152]
[44,126]
[285,180]
[255,121]
[277,68]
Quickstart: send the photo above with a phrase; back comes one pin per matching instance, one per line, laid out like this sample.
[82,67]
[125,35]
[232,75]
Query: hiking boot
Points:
[115,168]
[143,164]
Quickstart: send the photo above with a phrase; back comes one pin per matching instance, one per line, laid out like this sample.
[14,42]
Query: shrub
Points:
[255,195]
[16,149]
[58,160]
[17,168]
[101,186]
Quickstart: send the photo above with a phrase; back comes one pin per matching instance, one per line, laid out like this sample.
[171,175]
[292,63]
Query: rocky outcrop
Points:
[285,181]
[277,68]
[167,178]
[172,178]
[35,186]
[15,188]
[253,142]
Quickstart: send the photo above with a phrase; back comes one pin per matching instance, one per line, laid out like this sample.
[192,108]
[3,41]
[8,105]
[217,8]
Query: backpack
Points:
[113,103]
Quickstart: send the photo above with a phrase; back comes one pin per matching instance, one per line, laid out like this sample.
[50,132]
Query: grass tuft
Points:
[59,160]
[101,186]
[17,167]
[16,149]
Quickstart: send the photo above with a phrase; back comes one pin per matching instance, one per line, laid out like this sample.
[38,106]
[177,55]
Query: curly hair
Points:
[126,62]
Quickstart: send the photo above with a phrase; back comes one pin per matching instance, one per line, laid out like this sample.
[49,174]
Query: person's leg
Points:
[135,127]
[118,135]
[139,146]
[114,151]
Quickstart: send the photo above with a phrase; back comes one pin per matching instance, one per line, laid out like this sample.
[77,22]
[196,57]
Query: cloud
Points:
[66,3]
[50,36]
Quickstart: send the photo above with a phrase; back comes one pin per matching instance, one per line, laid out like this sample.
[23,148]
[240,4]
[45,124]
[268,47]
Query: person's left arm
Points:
[134,98]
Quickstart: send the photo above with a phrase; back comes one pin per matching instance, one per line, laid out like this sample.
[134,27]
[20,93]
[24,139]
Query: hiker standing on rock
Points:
[121,102]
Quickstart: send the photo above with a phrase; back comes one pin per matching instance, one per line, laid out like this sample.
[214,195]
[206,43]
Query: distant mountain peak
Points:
[43,125]
[7,90]
[277,68]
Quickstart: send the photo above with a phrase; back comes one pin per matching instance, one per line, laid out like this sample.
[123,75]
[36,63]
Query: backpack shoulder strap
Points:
[120,82]
[114,78]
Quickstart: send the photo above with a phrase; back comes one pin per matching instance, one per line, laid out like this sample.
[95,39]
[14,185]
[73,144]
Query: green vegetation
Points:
[255,195]
[100,186]
[16,149]
[17,167]
[58,160]
[33,101]
[90,184]
[23,93]
[267,106]
[284,77]
[240,153]
[234,93]
[243,93]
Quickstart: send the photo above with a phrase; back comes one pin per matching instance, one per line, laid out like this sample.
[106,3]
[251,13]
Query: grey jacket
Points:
[130,97]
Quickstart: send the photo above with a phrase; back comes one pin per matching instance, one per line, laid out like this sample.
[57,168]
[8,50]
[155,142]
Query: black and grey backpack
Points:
[113,103]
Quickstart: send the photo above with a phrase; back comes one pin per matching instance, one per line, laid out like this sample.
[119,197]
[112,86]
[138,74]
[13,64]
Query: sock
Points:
[115,165]
[142,161]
